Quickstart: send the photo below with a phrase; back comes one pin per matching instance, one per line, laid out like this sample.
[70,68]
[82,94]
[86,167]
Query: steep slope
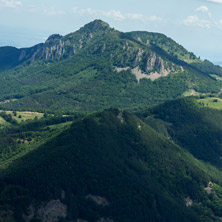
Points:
[55,48]
[109,167]
[92,83]
[196,128]
[95,68]
[165,43]
[11,57]
[177,51]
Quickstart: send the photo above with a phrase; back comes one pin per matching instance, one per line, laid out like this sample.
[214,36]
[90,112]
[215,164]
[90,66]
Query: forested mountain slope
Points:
[98,67]
[192,126]
[177,51]
[110,166]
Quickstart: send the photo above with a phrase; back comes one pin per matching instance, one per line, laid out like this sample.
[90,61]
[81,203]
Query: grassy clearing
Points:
[211,102]
[27,115]
[216,77]
[23,116]
[3,123]
[191,92]
[61,125]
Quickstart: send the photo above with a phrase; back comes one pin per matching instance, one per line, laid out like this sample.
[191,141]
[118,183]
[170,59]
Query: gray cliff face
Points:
[52,52]
[138,58]
[154,62]
[150,62]
[26,54]
[53,49]
[147,60]
[22,55]
[57,47]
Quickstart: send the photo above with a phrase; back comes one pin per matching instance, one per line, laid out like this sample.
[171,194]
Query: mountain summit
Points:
[53,38]
[97,25]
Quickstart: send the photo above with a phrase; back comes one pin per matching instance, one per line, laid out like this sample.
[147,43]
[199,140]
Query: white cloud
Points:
[53,12]
[115,14]
[202,8]
[82,11]
[32,8]
[209,22]
[197,22]
[10,3]
[218,23]
[215,1]
[154,18]
[135,16]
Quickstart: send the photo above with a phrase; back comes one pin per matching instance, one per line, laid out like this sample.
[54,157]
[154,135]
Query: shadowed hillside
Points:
[109,165]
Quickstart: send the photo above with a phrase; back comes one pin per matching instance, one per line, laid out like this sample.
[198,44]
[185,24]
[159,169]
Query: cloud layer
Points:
[202,8]
[196,21]
[215,1]
[204,20]
[53,12]
[10,3]
[115,14]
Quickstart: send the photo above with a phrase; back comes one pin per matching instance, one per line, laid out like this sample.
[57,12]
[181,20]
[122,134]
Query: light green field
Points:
[24,115]
[2,122]
[211,102]
[191,92]
[216,77]
[61,125]
[27,115]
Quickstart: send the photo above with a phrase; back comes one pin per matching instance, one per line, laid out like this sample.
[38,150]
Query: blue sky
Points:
[195,24]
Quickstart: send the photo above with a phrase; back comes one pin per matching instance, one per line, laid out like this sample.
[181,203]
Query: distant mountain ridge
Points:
[97,67]
[55,47]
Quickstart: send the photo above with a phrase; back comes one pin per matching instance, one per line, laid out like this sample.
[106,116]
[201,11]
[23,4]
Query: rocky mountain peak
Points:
[97,25]
[53,38]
